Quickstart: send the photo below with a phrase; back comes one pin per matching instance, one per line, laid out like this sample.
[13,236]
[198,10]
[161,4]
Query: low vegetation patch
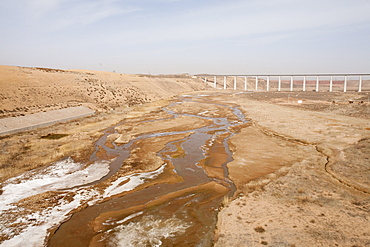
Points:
[259,229]
[180,152]
[52,136]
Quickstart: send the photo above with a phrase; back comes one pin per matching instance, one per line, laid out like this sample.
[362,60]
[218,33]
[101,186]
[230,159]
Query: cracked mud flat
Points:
[165,180]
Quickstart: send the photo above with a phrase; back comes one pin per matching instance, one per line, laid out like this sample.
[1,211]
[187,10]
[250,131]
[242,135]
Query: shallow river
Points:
[163,214]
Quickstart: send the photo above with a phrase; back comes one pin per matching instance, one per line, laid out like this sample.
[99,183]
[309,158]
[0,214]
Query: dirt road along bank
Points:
[41,119]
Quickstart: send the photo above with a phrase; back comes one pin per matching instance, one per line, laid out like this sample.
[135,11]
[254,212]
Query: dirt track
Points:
[41,119]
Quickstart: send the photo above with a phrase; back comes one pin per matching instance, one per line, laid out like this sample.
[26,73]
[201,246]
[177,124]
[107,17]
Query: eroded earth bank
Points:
[202,169]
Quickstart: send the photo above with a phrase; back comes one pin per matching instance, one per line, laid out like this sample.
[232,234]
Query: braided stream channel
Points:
[174,205]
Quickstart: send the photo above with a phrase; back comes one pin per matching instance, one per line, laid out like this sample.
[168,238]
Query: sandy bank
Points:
[290,193]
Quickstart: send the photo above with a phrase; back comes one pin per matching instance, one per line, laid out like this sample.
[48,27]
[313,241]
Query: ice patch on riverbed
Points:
[23,227]
[38,223]
[131,182]
[61,175]
[27,225]
[149,231]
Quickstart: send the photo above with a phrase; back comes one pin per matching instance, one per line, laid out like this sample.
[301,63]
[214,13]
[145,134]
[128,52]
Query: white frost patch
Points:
[208,144]
[129,217]
[190,169]
[149,231]
[112,222]
[36,232]
[203,112]
[133,181]
[61,175]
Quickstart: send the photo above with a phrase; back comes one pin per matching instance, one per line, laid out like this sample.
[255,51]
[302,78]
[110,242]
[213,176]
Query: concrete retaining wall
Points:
[41,119]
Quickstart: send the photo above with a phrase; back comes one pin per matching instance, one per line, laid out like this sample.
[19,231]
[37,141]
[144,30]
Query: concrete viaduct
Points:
[303,81]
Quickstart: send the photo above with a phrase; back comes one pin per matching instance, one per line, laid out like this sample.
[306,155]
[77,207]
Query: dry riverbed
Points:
[301,175]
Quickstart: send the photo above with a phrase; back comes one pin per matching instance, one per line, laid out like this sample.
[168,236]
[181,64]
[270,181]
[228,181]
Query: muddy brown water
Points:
[164,214]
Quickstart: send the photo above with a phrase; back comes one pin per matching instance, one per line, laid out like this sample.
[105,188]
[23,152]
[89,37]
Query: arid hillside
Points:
[29,90]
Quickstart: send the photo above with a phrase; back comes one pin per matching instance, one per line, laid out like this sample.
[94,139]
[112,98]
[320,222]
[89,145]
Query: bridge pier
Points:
[304,83]
[224,82]
[256,83]
[331,84]
[234,82]
[245,83]
[291,83]
[317,84]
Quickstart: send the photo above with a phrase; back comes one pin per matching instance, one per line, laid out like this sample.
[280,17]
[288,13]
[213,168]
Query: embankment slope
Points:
[29,90]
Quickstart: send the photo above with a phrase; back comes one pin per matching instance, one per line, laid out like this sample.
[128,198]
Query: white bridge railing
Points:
[304,82]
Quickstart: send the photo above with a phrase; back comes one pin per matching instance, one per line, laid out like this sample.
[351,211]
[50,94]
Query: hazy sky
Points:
[194,36]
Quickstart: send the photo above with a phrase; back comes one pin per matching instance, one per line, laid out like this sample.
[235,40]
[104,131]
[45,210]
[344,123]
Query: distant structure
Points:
[304,82]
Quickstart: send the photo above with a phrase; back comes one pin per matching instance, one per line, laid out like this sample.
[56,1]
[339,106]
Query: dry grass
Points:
[260,183]
[37,153]
[259,229]
[30,90]
[304,199]
[354,168]
[180,152]
[28,206]
[28,150]
[44,200]
[225,200]
[52,136]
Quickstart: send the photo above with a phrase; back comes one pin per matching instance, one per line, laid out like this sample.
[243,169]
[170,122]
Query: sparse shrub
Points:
[301,191]
[259,229]
[225,200]
[304,199]
[51,136]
